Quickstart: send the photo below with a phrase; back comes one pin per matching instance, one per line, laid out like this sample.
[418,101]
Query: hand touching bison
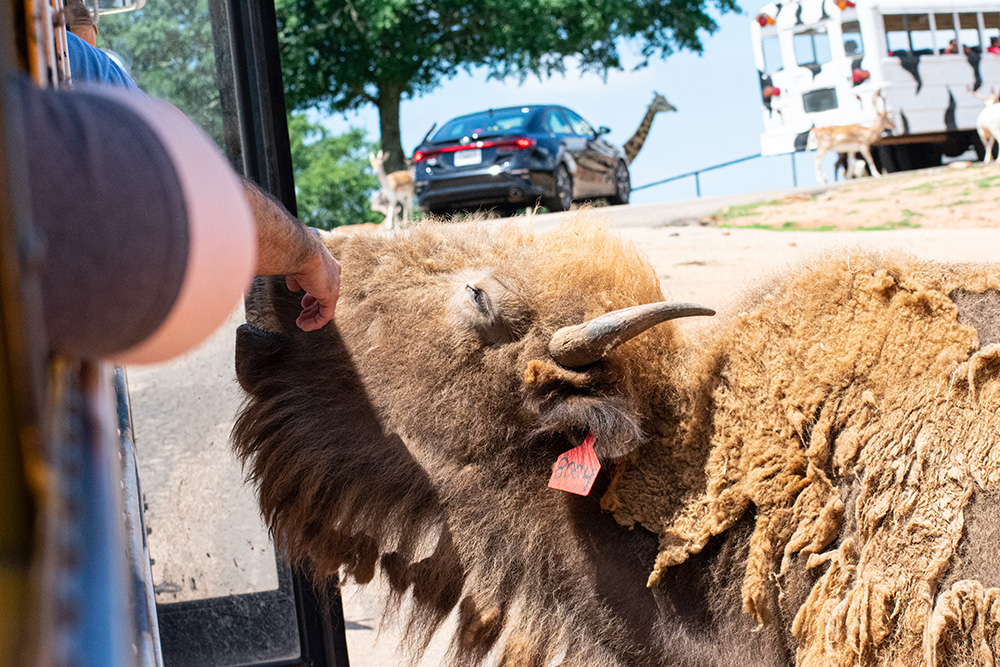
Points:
[299,255]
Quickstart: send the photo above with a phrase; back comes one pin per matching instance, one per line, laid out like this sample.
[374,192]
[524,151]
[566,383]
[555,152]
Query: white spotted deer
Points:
[850,139]
[397,188]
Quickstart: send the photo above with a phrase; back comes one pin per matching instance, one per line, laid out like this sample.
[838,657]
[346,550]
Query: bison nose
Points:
[581,345]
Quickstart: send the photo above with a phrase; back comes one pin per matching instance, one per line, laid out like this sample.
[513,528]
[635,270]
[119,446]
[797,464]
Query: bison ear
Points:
[271,309]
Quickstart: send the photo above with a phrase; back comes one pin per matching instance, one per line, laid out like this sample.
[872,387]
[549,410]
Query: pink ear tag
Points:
[576,470]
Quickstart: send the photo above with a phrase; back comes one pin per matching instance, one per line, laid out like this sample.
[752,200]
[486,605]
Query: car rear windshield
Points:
[485,124]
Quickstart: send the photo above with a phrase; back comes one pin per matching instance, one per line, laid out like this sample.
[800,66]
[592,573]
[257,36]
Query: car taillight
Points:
[420,156]
[521,143]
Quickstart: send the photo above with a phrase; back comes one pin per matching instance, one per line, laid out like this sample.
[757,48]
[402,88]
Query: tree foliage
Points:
[332,176]
[167,45]
[343,54]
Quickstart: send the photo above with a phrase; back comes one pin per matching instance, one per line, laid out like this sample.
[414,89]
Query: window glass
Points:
[485,124]
[816,101]
[772,54]
[909,32]
[580,126]
[920,32]
[944,34]
[991,25]
[555,123]
[812,46]
[213,564]
[968,31]
[853,46]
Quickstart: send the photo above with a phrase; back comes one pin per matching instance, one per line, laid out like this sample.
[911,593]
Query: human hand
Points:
[320,278]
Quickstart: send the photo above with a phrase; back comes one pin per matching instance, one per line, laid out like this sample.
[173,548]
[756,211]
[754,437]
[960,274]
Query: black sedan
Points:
[508,158]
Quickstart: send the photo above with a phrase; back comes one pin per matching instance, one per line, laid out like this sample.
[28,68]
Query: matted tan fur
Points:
[858,370]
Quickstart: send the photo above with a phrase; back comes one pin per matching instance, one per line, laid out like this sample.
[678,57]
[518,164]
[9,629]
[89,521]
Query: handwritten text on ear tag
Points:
[576,470]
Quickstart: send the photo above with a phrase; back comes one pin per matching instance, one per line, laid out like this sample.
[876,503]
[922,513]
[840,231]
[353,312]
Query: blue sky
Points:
[718,114]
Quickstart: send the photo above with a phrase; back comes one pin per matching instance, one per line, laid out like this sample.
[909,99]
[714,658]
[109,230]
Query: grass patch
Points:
[868,200]
[911,214]
[745,210]
[790,226]
[960,202]
[852,212]
[889,226]
[933,185]
[988,182]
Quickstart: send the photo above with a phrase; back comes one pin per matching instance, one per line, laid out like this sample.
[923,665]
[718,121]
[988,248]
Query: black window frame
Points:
[256,135]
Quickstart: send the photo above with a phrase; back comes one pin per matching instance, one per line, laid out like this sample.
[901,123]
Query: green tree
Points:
[168,47]
[332,177]
[343,54]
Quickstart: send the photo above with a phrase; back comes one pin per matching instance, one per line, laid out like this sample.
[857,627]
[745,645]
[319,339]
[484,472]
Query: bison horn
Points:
[581,345]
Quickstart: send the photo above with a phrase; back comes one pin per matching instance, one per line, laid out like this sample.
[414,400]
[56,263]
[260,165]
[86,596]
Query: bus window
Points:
[812,47]
[991,31]
[772,54]
[896,36]
[945,37]
[968,31]
[853,46]
[909,32]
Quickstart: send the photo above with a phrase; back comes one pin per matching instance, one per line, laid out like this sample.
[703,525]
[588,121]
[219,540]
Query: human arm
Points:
[287,247]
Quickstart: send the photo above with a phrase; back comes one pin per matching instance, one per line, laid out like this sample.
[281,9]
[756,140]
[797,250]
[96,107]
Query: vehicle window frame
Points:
[765,42]
[847,28]
[300,622]
[910,25]
[812,32]
[990,27]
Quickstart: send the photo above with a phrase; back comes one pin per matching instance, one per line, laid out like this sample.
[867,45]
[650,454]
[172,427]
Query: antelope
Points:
[850,138]
[397,188]
[988,121]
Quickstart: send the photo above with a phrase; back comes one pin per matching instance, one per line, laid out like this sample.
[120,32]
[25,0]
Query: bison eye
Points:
[479,299]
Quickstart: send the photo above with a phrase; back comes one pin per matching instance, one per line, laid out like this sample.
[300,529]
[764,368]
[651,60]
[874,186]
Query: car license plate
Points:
[468,157]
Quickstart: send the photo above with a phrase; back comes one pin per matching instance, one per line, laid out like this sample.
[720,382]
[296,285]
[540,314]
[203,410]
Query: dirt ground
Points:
[961,195]
[206,537]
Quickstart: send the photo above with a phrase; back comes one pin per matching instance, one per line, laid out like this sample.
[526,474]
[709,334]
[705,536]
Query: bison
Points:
[812,480]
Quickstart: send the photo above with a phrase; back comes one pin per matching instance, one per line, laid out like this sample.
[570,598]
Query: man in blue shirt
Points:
[87,63]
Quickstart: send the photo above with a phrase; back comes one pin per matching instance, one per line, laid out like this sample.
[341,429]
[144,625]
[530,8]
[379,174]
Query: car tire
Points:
[623,185]
[563,196]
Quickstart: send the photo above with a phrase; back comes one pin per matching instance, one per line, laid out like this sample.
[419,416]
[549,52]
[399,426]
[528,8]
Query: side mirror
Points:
[602,130]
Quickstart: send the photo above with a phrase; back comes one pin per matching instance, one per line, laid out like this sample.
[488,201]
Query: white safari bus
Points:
[821,61]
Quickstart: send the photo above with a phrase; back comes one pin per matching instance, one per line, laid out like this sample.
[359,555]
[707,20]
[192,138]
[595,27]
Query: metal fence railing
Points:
[697,172]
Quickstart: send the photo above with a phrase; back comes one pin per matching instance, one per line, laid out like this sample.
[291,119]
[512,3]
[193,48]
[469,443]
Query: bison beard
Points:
[779,459]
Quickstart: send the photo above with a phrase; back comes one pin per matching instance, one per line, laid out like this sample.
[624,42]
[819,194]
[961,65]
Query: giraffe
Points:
[634,145]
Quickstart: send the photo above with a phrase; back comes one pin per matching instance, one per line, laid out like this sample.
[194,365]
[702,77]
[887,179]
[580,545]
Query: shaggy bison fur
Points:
[812,480]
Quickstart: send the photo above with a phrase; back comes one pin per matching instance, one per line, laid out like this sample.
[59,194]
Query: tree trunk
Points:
[388,118]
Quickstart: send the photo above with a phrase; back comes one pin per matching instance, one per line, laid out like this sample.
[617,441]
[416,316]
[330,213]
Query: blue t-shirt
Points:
[95,66]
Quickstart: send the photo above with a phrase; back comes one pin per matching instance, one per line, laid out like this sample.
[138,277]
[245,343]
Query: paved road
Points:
[680,213]
[206,536]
